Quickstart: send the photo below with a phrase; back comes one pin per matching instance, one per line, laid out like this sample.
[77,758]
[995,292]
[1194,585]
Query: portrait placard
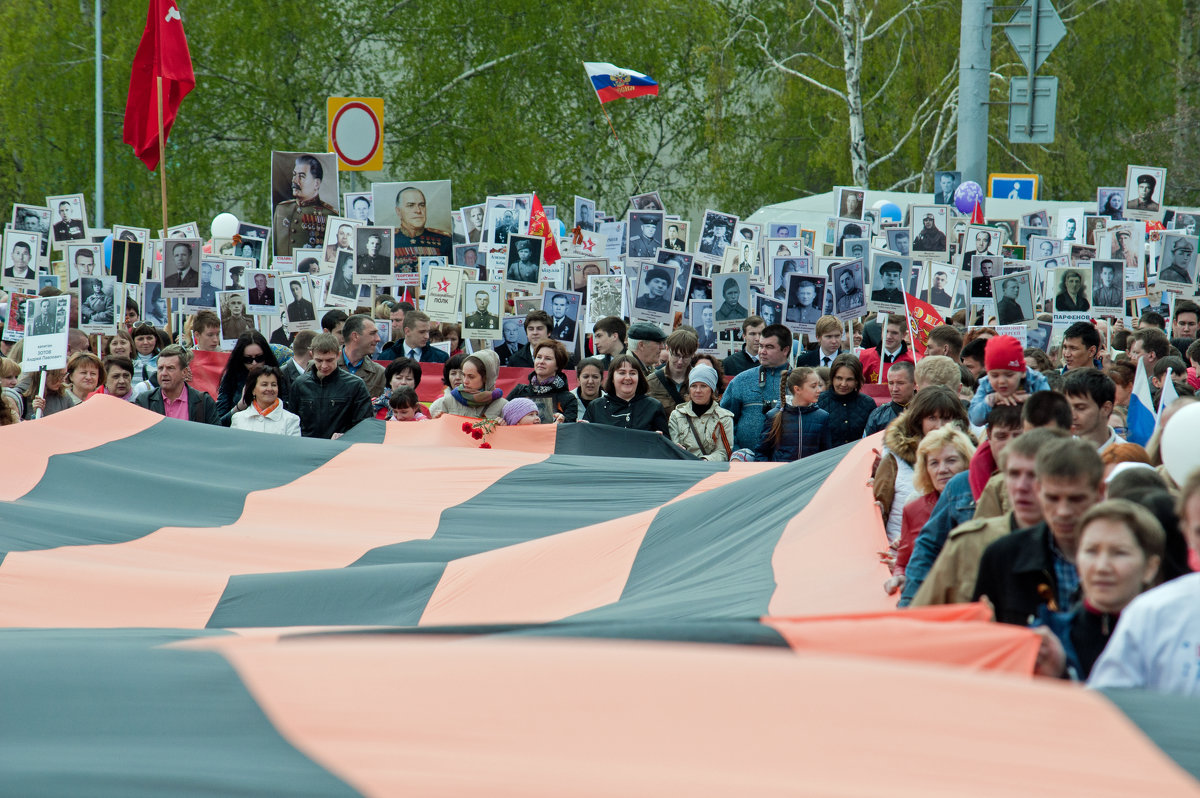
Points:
[563,307]
[849,298]
[930,231]
[373,255]
[181,268]
[1110,202]
[782,267]
[482,309]
[20,261]
[298,309]
[97,305]
[1071,289]
[418,211]
[676,236]
[468,257]
[524,259]
[584,213]
[359,206]
[850,203]
[716,232]
[46,326]
[783,230]
[14,328]
[983,269]
[1014,298]
[650,201]
[645,231]
[69,214]
[185,230]
[805,302]
[938,287]
[582,269]
[654,292]
[701,316]
[262,295]
[1177,263]
[84,260]
[36,219]
[1108,287]
[605,294]
[212,280]
[771,310]
[500,219]
[304,195]
[945,184]
[235,319]
[731,292]
[899,240]
[339,237]
[1144,192]
[888,273]
[443,294]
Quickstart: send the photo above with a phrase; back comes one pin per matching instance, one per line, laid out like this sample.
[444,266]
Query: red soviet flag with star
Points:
[539,225]
[163,52]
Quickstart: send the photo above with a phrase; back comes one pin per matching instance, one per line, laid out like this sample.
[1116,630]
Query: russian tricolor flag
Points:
[613,83]
[1141,419]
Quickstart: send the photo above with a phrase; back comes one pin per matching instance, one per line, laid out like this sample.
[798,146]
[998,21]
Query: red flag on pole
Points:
[539,225]
[922,317]
[162,53]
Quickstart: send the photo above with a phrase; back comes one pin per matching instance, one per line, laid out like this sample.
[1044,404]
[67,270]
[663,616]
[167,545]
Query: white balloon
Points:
[1180,453]
[224,225]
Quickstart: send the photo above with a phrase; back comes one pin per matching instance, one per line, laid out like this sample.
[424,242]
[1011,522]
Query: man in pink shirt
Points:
[173,397]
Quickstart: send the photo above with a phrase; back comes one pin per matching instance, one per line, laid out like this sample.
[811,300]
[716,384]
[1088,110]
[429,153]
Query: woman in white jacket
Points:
[265,412]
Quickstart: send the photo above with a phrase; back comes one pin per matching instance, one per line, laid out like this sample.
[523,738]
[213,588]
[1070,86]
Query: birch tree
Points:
[857,51]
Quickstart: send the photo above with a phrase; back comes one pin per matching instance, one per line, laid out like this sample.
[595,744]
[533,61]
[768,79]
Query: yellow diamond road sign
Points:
[355,126]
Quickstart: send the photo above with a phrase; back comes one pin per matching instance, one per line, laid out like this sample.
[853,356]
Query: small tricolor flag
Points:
[1141,417]
[613,83]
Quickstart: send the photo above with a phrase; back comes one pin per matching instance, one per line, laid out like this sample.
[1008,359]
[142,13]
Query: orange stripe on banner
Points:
[978,645]
[446,430]
[175,575]
[543,717]
[826,561]
[100,420]
[552,577]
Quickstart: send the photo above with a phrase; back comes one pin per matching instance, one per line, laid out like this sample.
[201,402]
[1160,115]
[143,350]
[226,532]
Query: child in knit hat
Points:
[521,410]
[1009,380]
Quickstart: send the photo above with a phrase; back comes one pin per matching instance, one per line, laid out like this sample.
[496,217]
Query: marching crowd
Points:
[1002,476]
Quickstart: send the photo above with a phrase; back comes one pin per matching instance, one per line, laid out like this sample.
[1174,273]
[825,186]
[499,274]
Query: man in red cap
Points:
[1008,380]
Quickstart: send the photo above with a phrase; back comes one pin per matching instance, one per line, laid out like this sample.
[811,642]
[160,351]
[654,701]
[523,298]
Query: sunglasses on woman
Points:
[254,358]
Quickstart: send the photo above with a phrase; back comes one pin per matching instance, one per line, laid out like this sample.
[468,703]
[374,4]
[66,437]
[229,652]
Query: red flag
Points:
[922,317]
[539,225]
[977,214]
[163,52]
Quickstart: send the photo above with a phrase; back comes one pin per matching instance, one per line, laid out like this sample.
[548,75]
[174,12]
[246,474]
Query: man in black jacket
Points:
[738,362]
[174,397]
[328,399]
[1036,566]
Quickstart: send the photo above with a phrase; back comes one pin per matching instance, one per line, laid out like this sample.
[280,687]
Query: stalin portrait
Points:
[300,221]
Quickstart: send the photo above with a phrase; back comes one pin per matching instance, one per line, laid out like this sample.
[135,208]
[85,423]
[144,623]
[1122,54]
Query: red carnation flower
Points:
[477,434]
[466,426]
[485,445]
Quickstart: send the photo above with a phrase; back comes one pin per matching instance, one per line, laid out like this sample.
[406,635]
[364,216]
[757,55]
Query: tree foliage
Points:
[493,97]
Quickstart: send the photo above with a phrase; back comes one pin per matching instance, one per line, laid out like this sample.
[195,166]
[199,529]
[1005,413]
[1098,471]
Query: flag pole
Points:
[162,155]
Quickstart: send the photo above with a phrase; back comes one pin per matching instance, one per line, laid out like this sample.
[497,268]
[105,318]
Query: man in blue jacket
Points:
[754,392]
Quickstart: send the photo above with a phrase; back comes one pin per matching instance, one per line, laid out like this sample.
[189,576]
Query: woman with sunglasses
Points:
[250,351]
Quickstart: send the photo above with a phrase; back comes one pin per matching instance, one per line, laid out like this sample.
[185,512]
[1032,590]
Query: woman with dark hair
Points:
[147,345]
[625,403]
[590,374]
[403,372]
[453,334]
[547,386]
[264,411]
[847,406]
[932,408]
[452,376]
[250,350]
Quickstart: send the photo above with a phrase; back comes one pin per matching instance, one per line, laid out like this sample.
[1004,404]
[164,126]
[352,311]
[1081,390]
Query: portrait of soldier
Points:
[300,221]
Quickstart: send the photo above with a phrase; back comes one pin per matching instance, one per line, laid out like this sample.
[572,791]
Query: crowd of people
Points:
[1003,472]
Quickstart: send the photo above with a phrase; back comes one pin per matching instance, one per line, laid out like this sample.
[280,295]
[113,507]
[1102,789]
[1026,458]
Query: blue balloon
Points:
[890,211]
[966,195]
[108,239]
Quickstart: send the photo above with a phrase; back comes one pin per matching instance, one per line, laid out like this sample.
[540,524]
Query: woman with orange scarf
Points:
[264,411]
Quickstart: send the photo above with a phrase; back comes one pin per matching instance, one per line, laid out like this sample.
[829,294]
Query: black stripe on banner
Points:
[109,714]
[175,473]
[391,585]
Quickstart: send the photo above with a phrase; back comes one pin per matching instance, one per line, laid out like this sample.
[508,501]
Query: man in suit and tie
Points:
[829,344]
[562,327]
[946,185]
[415,343]
[260,294]
[299,309]
[937,295]
[186,275]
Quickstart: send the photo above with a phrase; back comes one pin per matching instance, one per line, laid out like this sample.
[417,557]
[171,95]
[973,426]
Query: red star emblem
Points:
[443,286]
[588,244]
